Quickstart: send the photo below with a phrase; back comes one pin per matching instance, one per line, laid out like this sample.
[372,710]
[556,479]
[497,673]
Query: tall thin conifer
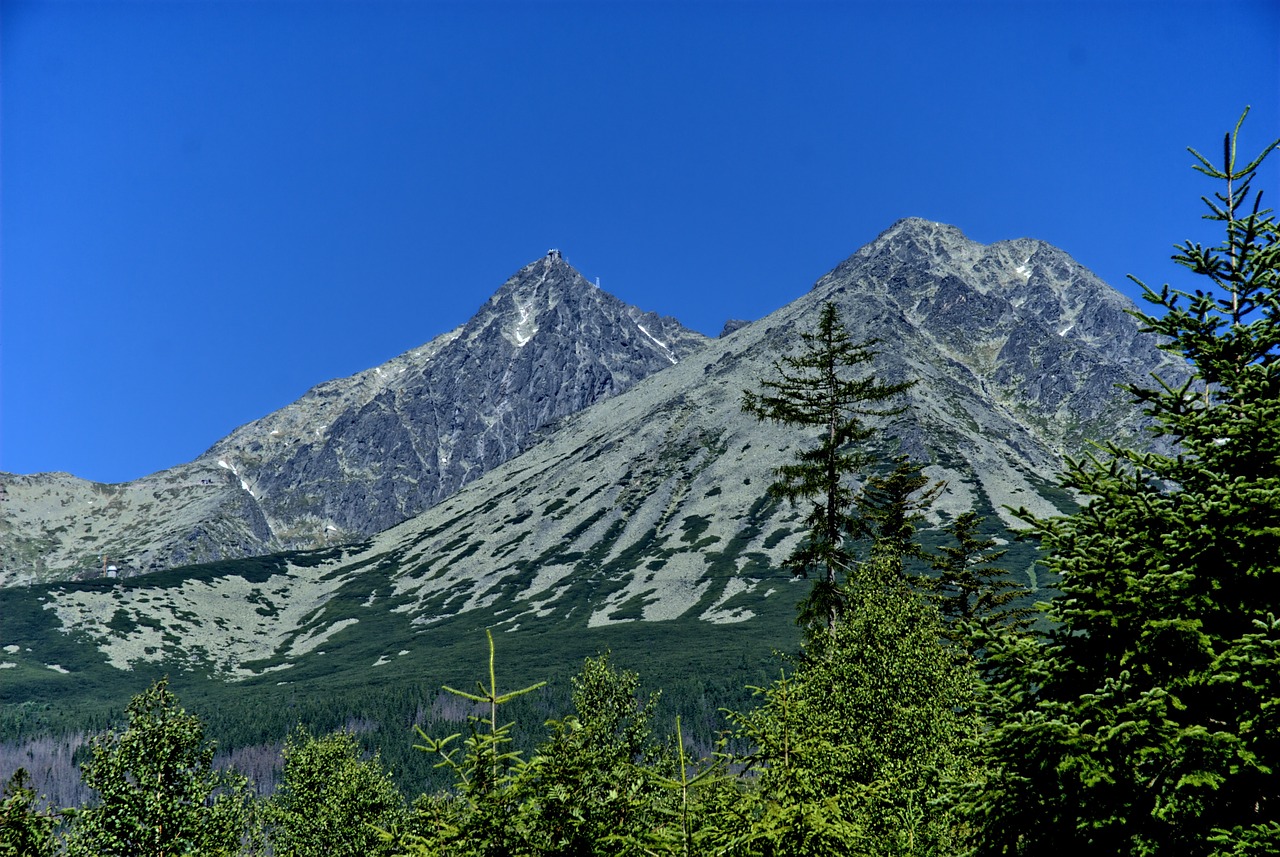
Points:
[826,386]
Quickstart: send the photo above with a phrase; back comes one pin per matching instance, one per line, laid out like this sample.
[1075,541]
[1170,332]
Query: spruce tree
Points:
[825,386]
[971,588]
[1149,722]
[892,506]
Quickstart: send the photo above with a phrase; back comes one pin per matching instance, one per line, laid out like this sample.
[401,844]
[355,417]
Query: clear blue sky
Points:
[208,207]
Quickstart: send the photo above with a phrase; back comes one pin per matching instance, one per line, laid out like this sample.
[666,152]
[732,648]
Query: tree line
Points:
[1137,713]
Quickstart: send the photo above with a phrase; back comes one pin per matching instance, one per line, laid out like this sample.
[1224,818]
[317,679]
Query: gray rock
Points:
[356,455]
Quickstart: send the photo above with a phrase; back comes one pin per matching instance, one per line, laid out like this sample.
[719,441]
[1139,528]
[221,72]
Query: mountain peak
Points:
[920,235]
[548,268]
[554,261]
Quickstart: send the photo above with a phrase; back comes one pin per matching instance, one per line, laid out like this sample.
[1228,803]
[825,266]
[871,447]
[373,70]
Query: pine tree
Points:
[1149,723]
[816,388]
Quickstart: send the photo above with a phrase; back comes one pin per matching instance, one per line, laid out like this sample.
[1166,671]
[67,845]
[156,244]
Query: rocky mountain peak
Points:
[356,455]
[1018,350]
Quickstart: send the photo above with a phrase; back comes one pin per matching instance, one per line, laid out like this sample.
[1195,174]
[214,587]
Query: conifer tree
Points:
[971,587]
[480,820]
[892,506]
[825,386]
[1149,723]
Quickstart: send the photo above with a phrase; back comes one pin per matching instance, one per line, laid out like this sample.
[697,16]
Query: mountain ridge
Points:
[355,455]
[651,506]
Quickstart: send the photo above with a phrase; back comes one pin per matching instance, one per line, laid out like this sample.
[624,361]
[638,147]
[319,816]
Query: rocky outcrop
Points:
[364,454]
[651,505]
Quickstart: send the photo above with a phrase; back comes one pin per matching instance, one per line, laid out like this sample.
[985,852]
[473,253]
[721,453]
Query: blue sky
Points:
[208,207]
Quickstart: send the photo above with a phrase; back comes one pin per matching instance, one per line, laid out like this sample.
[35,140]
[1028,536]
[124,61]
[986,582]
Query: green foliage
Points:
[814,389]
[891,507]
[480,819]
[331,801]
[971,590]
[158,794]
[858,747]
[683,812]
[24,830]
[586,783]
[1150,722]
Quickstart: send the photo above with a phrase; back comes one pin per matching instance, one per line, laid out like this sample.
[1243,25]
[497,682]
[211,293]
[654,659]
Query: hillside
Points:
[641,522]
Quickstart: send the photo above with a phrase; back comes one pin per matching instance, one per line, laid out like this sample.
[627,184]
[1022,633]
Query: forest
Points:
[1138,712]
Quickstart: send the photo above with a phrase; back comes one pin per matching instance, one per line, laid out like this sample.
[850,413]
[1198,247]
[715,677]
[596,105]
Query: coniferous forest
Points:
[923,714]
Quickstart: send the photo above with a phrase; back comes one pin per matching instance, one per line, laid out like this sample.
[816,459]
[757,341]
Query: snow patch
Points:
[665,350]
[1024,270]
[12,649]
[58,668]
[7,665]
[526,325]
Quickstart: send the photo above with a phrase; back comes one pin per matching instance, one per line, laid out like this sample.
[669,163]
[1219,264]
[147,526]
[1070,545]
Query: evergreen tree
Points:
[158,795]
[480,818]
[892,506]
[970,587]
[1150,721]
[816,389]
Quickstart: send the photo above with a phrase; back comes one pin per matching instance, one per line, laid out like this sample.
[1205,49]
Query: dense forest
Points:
[1136,713]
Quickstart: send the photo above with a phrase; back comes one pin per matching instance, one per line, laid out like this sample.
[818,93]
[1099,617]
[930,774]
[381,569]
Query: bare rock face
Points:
[363,454]
[1039,334]
[652,507]
[356,455]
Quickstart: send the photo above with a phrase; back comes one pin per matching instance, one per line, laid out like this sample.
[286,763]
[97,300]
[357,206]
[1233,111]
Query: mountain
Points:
[356,455]
[648,510]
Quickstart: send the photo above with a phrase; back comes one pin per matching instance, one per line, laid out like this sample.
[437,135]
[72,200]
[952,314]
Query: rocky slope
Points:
[651,505]
[355,455]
